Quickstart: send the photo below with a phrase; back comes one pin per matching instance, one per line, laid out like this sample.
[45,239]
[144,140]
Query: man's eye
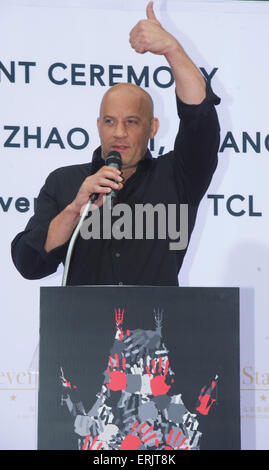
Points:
[132,121]
[109,121]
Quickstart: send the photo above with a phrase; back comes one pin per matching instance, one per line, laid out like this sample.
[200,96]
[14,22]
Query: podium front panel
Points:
[142,368]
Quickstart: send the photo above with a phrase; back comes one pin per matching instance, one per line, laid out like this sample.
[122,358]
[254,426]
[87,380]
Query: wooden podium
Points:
[141,368]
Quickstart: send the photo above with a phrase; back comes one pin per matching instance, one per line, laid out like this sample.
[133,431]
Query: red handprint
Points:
[175,435]
[65,382]
[119,321]
[117,375]
[205,398]
[158,384]
[88,446]
[133,441]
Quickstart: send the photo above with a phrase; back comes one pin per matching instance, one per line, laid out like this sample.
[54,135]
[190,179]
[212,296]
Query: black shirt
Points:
[179,177]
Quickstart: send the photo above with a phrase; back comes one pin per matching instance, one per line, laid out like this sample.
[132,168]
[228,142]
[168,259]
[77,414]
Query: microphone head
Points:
[113,158]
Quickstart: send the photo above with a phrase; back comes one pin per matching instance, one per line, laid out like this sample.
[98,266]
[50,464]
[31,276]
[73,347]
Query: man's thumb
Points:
[150,12]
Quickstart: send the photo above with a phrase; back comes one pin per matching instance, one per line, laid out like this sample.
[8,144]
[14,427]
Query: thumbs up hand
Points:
[149,35]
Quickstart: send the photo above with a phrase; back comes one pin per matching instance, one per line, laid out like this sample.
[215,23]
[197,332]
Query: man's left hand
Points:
[149,35]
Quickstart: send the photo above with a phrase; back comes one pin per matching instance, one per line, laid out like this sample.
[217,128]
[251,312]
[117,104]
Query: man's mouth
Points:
[120,148]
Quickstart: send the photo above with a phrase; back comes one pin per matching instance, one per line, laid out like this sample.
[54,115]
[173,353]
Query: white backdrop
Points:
[229,246]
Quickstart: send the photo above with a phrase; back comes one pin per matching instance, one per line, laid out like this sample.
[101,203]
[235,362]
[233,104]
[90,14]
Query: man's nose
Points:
[120,130]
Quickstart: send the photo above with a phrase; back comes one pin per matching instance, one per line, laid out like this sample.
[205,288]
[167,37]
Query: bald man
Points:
[125,124]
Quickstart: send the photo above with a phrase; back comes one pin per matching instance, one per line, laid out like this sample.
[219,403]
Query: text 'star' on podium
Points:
[139,368]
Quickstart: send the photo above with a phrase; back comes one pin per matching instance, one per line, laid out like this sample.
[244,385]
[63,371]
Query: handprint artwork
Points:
[136,408]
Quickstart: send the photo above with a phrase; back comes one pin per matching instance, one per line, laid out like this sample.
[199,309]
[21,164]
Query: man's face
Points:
[126,124]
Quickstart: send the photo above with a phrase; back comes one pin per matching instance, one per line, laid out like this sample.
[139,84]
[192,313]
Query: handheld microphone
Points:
[113,159]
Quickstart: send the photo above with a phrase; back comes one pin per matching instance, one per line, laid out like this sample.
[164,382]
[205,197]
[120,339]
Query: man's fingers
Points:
[150,12]
[110,172]
[105,186]
[136,45]
[106,183]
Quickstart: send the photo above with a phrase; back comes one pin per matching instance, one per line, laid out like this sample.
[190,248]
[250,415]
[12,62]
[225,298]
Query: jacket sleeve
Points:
[27,248]
[196,146]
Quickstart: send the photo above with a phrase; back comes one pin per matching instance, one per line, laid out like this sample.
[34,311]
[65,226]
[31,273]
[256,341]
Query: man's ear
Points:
[154,127]
[98,124]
